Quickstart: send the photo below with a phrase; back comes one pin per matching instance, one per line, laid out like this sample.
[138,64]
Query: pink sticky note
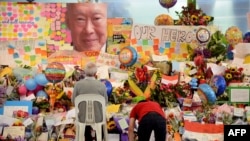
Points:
[47,14]
[56,48]
[58,27]
[21,51]
[68,37]
[58,23]
[53,27]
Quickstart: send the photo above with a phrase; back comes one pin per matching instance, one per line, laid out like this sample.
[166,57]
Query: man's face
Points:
[88,25]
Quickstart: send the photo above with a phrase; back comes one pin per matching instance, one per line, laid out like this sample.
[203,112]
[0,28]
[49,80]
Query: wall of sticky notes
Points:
[58,37]
[30,52]
[37,23]
[20,21]
[119,33]
[165,40]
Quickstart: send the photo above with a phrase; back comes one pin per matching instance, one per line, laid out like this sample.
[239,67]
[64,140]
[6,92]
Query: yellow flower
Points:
[208,18]
[194,18]
[228,76]
[233,69]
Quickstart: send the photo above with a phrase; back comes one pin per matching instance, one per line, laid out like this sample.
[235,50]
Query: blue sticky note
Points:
[139,42]
[44,61]
[150,42]
[175,66]
[41,43]
[11,46]
[161,50]
[167,45]
[15,55]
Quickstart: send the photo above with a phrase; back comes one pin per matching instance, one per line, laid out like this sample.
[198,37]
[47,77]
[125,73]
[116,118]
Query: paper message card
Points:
[239,94]
[14,131]
[105,59]
[123,123]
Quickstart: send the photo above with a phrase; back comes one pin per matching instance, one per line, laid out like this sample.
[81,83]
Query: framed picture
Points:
[10,106]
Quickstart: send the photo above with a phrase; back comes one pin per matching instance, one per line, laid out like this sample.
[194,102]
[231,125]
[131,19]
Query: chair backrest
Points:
[88,109]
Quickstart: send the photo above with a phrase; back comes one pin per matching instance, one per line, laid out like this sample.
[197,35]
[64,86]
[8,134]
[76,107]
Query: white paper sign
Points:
[216,69]
[7,120]
[239,112]
[27,122]
[105,59]
[103,72]
[159,57]
[118,76]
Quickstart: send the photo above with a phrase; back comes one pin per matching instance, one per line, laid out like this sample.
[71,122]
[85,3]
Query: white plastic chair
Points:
[90,119]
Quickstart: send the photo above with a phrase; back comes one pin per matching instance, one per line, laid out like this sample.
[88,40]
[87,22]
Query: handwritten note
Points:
[106,59]
[14,131]
[123,123]
[239,95]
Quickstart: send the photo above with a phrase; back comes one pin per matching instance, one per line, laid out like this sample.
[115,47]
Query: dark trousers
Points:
[88,136]
[152,122]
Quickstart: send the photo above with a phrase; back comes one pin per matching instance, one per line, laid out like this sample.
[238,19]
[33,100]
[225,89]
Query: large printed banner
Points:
[165,40]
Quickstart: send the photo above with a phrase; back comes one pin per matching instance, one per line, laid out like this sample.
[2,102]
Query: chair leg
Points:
[80,132]
[105,132]
[98,128]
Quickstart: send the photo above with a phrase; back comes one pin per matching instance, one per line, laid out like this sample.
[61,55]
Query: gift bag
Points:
[203,132]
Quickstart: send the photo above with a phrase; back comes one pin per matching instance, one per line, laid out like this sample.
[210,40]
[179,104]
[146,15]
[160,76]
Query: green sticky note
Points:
[25,12]
[18,61]
[63,26]
[32,57]
[27,49]
[145,42]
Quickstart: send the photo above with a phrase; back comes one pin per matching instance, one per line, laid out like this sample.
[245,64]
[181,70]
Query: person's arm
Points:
[105,94]
[131,135]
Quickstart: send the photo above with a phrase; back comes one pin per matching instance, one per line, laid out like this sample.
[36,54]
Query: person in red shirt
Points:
[150,117]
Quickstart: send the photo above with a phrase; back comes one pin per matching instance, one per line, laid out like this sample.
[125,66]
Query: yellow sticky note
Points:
[33,63]
[113,108]
[26,57]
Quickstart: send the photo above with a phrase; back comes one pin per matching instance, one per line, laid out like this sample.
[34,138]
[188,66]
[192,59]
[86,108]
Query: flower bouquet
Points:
[42,103]
[192,16]
[234,75]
